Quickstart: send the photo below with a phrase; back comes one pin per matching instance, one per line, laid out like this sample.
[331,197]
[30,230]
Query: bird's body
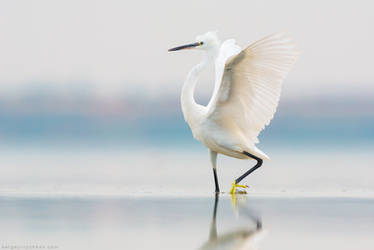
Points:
[222,138]
[245,97]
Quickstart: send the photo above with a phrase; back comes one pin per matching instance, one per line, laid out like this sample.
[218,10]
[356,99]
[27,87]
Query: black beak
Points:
[187,46]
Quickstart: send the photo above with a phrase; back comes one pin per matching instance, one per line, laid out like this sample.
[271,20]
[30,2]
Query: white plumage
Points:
[246,94]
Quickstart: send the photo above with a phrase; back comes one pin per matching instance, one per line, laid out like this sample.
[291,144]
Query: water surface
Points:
[225,222]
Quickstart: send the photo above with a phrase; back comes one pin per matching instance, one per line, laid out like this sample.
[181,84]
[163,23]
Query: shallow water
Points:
[171,172]
[186,223]
[161,198]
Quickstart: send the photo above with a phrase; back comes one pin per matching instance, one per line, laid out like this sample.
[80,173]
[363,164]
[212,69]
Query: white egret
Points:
[245,97]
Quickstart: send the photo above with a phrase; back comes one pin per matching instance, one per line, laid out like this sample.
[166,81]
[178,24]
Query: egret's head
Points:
[207,41]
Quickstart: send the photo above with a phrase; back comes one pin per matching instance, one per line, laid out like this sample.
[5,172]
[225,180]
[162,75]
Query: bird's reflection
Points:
[237,239]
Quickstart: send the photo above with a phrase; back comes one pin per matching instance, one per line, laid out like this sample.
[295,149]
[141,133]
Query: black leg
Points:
[216,180]
[258,164]
[213,225]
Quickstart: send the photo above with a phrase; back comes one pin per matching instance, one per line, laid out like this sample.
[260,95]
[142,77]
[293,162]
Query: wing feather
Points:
[250,87]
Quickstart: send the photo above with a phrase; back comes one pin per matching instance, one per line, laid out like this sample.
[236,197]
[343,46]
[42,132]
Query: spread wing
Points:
[248,95]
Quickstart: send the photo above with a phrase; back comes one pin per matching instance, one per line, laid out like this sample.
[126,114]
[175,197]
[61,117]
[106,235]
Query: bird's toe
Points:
[235,186]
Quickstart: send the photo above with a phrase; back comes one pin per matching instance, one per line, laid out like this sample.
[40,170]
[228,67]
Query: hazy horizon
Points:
[115,46]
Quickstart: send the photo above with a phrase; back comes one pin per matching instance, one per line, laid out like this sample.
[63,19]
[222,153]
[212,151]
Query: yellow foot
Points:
[235,186]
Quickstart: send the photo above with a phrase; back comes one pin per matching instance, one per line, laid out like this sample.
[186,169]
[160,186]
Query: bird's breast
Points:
[218,139]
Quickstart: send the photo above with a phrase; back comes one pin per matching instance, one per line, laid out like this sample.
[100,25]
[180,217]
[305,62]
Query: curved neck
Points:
[190,108]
